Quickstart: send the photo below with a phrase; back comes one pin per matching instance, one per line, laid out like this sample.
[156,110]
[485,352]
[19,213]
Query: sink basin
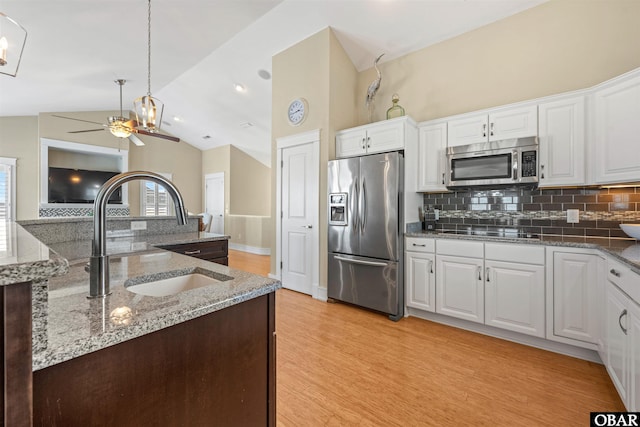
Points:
[173,282]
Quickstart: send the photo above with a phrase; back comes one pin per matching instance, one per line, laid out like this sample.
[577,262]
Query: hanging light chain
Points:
[149,50]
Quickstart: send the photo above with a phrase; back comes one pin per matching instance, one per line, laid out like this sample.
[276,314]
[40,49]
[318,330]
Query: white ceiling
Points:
[200,48]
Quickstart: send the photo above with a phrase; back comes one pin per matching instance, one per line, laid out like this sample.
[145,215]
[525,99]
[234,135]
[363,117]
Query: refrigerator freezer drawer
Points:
[367,282]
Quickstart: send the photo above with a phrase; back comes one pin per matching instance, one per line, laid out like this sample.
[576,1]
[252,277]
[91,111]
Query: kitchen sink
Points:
[173,282]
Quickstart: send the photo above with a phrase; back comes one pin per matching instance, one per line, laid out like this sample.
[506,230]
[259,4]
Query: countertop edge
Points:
[544,241]
[43,359]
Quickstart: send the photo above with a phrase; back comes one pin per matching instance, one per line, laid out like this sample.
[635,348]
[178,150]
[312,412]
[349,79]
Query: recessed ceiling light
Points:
[238,87]
[264,74]
[178,119]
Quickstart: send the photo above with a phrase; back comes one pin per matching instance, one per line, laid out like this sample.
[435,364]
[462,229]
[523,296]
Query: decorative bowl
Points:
[632,230]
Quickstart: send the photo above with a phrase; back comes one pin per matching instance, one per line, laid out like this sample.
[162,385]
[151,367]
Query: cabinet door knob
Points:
[479,273]
[196,252]
[487,274]
[442,178]
[431,266]
[615,273]
[491,129]
[624,313]
[422,246]
[484,130]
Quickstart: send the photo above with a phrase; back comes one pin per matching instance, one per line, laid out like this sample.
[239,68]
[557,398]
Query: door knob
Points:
[307,226]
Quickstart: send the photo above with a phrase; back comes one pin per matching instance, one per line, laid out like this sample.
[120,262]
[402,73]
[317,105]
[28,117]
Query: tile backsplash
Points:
[537,211]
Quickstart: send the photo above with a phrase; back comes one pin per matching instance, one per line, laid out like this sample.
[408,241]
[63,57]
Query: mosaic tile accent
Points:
[537,211]
[55,212]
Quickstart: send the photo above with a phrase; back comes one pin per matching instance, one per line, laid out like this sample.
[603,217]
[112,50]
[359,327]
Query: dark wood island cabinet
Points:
[214,370]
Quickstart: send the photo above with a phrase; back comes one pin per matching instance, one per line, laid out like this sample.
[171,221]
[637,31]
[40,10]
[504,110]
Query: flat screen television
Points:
[79,186]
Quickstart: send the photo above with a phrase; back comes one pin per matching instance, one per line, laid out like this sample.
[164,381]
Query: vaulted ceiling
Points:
[201,48]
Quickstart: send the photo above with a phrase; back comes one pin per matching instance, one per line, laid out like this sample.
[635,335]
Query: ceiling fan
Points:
[121,127]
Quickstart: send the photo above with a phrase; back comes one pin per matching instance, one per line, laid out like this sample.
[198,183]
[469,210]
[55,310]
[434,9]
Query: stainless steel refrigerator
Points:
[364,232]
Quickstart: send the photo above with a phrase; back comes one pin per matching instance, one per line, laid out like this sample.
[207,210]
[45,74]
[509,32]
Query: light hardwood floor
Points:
[339,365]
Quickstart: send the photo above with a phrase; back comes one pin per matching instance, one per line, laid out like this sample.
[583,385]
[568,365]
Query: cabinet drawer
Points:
[514,253]
[420,244]
[203,250]
[622,276]
[460,248]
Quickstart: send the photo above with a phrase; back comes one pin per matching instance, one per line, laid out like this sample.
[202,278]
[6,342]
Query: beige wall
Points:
[319,70]
[556,47]
[559,46]
[17,136]
[250,189]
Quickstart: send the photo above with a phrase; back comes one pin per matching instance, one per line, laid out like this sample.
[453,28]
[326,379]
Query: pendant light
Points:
[13,37]
[148,109]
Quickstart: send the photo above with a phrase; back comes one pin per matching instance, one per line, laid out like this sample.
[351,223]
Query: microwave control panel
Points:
[529,164]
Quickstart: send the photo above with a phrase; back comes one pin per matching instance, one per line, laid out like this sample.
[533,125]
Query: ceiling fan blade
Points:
[157,135]
[137,141]
[81,131]
[79,120]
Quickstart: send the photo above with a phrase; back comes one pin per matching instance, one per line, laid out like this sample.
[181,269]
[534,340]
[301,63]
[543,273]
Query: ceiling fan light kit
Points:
[147,108]
[13,37]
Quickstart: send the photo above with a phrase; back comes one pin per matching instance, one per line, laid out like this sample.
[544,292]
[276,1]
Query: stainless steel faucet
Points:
[99,261]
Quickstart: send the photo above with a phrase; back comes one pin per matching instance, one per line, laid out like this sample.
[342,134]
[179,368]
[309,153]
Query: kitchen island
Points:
[197,357]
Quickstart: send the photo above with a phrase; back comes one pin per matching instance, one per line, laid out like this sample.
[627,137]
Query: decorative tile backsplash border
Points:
[537,211]
[56,212]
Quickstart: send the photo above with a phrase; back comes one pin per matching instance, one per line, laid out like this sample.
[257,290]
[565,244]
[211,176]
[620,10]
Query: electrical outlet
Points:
[138,246]
[138,225]
[573,216]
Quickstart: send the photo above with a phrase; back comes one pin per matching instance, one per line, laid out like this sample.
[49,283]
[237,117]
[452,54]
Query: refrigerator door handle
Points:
[361,262]
[363,219]
[354,206]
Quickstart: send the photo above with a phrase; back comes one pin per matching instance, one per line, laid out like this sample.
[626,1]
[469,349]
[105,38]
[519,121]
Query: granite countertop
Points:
[123,242]
[67,324]
[625,250]
[27,259]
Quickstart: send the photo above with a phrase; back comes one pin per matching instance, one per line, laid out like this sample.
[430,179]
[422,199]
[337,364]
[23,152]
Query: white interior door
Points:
[214,201]
[299,217]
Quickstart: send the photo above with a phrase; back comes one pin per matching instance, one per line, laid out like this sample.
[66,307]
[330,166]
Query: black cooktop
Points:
[505,233]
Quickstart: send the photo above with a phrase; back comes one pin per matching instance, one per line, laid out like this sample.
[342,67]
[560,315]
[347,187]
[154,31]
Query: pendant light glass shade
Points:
[13,37]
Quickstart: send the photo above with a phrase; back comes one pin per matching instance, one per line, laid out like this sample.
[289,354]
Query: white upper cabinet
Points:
[515,122]
[562,142]
[432,146]
[617,129]
[378,137]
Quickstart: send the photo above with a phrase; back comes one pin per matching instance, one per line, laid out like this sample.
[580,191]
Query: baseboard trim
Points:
[541,343]
[250,249]
[319,293]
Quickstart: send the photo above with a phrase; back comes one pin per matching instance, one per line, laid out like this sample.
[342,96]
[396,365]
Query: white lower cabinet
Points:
[573,297]
[420,273]
[459,287]
[616,345]
[621,324]
[459,279]
[514,296]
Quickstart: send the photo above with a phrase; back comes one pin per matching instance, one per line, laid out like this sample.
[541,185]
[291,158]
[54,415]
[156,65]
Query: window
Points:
[7,199]
[155,201]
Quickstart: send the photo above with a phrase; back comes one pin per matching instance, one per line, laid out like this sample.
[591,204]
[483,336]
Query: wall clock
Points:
[297,112]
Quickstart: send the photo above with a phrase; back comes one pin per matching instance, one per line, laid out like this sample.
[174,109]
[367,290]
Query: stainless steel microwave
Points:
[509,161]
